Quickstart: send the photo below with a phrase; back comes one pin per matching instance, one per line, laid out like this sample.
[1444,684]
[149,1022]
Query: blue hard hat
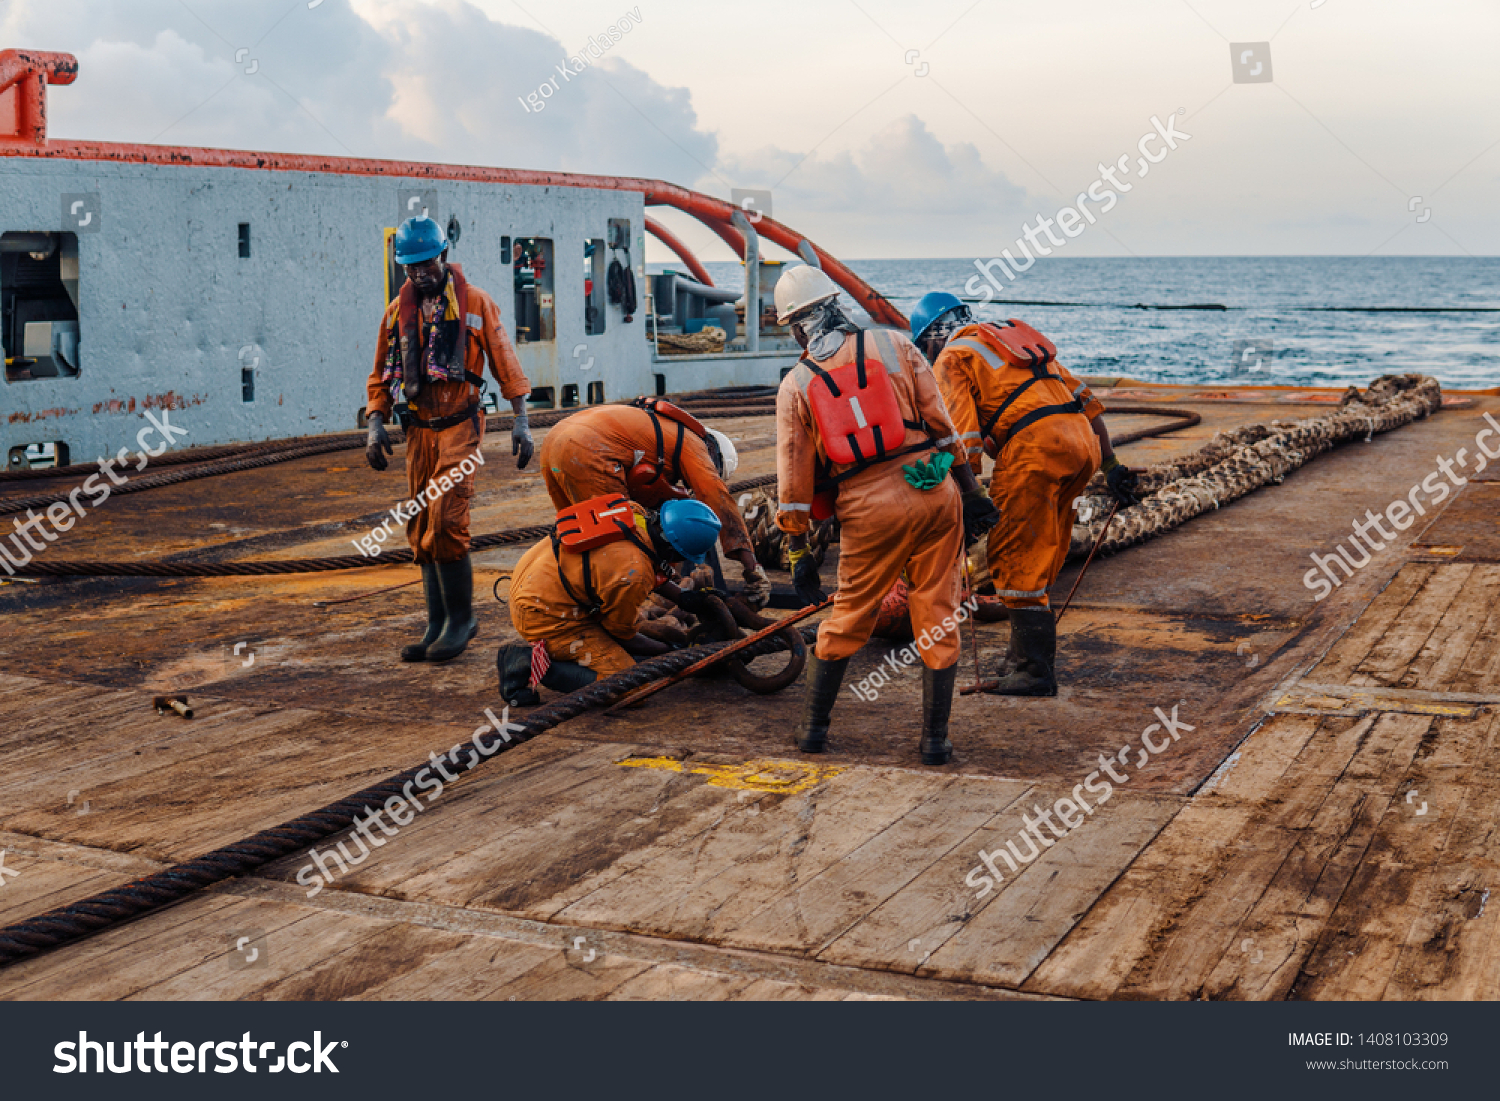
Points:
[931,307]
[419,239]
[691,527]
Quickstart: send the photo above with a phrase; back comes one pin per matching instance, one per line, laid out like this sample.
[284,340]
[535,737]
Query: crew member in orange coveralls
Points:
[577,612]
[1045,429]
[429,363]
[592,452]
[856,406]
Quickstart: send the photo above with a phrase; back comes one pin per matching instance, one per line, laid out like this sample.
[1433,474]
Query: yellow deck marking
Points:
[780,777]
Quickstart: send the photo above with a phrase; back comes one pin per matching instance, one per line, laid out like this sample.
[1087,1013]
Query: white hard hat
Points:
[799,288]
[727,453]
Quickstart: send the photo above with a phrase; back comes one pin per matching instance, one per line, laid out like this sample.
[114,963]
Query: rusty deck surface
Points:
[1321,827]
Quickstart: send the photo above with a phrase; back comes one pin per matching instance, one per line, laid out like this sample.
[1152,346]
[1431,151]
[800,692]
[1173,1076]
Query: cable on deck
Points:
[73,922]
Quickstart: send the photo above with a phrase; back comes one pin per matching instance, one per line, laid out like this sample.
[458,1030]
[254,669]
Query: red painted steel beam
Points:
[24,76]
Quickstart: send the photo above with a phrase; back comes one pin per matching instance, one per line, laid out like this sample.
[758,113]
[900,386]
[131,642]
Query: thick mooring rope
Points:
[1243,460]
[139,897]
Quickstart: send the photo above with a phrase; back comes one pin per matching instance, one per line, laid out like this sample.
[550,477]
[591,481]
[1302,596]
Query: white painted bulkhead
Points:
[171,315]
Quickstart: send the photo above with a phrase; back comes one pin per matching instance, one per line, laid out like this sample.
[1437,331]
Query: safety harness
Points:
[587,526]
[859,419]
[1021,346]
[649,482]
[438,354]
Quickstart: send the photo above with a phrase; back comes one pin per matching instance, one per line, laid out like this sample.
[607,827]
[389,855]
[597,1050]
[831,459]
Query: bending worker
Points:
[429,363]
[576,596]
[643,451]
[1045,430]
[861,434]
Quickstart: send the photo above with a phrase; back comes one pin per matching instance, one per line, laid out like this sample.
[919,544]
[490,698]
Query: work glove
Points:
[757,587]
[377,443]
[520,441]
[1122,481]
[980,515]
[805,577]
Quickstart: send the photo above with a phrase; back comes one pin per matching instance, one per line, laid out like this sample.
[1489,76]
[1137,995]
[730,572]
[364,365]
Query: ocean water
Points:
[1287,321]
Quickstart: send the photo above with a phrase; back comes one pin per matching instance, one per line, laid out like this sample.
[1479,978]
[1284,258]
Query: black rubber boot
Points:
[937,703]
[568,676]
[823,681]
[513,663]
[1035,639]
[437,615]
[457,581]
[1012,659]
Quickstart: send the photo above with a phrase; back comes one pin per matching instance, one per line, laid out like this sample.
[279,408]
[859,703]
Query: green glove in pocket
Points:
[929,474]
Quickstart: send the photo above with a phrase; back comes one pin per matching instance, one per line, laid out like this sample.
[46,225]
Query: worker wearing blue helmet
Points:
[577,609]
[430,354]
[1012,400]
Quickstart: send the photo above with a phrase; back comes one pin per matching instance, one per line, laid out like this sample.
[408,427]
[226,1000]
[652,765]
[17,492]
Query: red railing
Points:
[24,76]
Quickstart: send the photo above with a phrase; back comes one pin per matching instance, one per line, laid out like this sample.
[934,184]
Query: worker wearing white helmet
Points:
[862,435]
[652,452]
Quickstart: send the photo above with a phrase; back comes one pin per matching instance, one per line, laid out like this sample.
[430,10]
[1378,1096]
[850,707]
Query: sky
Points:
[881,128]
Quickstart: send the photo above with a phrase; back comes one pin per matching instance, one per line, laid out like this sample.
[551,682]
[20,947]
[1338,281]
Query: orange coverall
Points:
[590,452]
[542,610]
[1040,472]
[440,532]
[886,525]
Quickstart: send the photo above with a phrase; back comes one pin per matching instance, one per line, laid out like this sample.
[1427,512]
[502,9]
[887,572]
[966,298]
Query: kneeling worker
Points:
[579,592]
[429,364]
[856,406]
[1045,430]
[644,451]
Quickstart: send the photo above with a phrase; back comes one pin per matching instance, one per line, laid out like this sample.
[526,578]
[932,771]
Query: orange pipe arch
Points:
[683,253]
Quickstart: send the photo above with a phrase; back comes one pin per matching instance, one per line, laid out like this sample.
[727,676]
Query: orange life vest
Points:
[859,419]
[587,526]
[1018,345]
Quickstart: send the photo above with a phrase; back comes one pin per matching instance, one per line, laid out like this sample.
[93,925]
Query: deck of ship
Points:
[1324,830]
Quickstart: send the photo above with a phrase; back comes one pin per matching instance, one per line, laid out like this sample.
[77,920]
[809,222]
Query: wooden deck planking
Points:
[816,911]
[125,958]
[466,972]
[1339,664]
[666,982]
[40,885]
[1437,664]
[1391,656]
[516,829]
[298,943]
[1274,882]
[904,929]
[706,890]
[1006,940]
[1415,858]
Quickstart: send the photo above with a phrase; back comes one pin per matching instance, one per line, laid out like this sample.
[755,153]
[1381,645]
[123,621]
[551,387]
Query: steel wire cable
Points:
[65,924]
